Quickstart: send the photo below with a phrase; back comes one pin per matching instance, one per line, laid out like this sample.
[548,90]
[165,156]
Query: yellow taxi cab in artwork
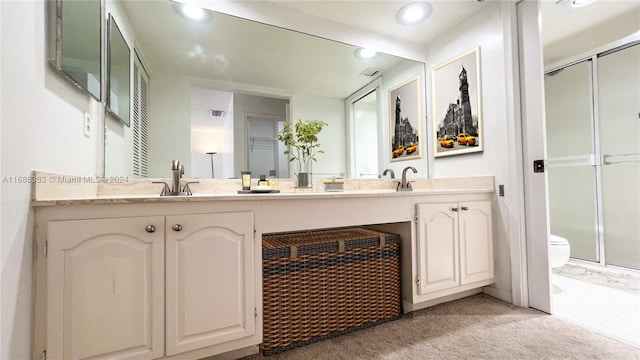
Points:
[447,141]
[398,151]
[466,139]
[412,148]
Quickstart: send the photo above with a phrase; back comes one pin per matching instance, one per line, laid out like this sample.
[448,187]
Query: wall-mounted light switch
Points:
[87,125]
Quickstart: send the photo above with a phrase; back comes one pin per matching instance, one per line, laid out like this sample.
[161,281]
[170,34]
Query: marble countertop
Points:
[80,190]
[300,195]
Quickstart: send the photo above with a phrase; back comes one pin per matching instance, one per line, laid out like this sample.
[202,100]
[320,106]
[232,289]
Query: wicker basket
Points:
[325,283]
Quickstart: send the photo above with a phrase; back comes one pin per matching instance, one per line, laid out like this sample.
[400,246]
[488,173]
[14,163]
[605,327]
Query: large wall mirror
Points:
[75,44]
[213,81]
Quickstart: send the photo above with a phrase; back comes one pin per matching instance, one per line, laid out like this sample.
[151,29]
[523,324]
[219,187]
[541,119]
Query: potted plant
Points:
[302,144]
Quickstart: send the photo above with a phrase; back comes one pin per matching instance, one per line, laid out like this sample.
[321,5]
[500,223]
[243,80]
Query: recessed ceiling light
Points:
[365,53]
[191,12]
[414,13]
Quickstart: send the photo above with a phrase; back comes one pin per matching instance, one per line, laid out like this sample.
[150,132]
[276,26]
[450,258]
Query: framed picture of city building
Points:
[405,129]
[457,105]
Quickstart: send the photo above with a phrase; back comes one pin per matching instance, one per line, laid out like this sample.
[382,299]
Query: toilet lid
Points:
[557,240]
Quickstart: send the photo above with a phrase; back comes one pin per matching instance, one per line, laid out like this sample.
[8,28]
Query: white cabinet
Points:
[454,248]
[105,289]
[210,282]
[106,286]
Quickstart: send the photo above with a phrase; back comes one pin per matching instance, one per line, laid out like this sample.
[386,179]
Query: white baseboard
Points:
[501,294]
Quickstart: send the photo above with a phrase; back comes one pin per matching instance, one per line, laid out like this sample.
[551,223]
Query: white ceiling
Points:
[558,20]
[561,21]
[246,53]
[378,16]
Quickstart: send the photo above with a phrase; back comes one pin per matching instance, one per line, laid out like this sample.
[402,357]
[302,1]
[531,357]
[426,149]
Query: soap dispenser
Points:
[272,180]
[263,182]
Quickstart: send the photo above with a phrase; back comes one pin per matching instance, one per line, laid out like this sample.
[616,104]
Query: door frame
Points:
[536,202]
[375,85]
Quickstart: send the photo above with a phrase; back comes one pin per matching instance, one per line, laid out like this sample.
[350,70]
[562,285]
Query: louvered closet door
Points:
[140,119]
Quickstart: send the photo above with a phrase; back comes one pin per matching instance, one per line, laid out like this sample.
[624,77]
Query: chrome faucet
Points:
[405,185]
[177,170]
[391,173]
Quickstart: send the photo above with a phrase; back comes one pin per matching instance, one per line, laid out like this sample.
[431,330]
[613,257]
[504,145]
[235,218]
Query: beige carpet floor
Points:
[477,327]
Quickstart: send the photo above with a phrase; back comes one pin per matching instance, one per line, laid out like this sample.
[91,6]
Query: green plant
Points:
[301,140]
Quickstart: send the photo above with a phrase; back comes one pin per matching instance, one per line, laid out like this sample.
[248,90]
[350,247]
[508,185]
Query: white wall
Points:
[169,124]
[210,134]
[485,30]
[41,129]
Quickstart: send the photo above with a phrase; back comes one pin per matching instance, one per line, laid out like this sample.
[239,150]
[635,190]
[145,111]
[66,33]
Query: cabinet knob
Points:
[150,228]
[464,208]
[454,209]
[177,227]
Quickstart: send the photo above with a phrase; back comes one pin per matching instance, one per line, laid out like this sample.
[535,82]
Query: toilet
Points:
[559,250]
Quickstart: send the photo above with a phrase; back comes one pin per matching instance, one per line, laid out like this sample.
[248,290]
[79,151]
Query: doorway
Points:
[594,189]
[363,111]
[265,153]
[594,173]
[365,122]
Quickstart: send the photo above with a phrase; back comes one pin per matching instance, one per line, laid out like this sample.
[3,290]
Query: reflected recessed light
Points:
[365,53]
[414,13]
[191,12]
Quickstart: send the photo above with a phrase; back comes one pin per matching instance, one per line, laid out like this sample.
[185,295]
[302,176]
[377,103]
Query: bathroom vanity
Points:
[139,276]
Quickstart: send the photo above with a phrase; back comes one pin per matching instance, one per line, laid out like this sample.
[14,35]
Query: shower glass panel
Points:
[569,115]
[572,209]
[618,111]
[570,149]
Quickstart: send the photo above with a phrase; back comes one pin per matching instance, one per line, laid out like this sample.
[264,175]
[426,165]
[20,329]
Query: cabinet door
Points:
[437,247]
[105,289]
[476,242]
[210,280]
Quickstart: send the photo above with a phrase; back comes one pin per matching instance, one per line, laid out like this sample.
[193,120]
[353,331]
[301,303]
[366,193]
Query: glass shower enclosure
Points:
[593,147]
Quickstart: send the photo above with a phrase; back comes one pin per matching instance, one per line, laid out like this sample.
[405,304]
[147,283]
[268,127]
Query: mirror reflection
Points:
[224,85]
[76,47]
[118,74]
[365,121]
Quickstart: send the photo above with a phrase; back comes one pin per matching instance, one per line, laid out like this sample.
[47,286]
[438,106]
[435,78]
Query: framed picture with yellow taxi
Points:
[457,105]
[405,126]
